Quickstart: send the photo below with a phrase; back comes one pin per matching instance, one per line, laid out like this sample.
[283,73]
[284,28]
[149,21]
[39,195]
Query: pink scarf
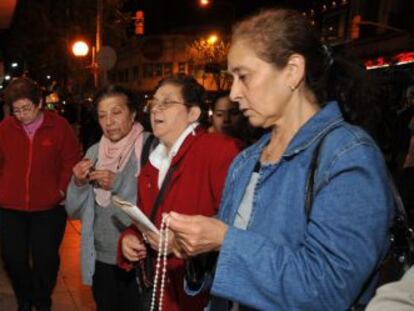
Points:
[114,156]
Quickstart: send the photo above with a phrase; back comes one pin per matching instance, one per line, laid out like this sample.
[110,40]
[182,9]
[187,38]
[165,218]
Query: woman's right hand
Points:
[81,172]
[132,248]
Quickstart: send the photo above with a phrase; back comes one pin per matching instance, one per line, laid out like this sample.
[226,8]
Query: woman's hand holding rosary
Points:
[198,234]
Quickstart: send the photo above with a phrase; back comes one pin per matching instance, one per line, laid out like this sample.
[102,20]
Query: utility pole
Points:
[98,42]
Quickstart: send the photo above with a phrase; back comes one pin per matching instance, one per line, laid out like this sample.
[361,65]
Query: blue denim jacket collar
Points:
[328,117]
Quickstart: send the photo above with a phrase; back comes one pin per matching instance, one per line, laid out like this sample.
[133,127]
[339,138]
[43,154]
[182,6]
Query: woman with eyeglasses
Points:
[109,167]
[38,150]
[192,163]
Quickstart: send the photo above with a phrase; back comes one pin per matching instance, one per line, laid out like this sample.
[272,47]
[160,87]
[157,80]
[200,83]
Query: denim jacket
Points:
[284,262]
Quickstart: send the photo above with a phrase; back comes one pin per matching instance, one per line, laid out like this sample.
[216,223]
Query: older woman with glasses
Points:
[110,166]
[190,166]
[37,152]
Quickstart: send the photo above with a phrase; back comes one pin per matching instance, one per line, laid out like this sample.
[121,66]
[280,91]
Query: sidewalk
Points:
[69,294]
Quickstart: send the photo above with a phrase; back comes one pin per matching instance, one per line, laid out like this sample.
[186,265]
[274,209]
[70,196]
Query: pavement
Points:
[69,293]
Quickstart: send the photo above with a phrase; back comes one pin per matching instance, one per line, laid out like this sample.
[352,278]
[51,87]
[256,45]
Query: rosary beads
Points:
[161,256]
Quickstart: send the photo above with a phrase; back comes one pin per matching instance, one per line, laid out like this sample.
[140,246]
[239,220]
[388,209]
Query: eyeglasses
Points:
[161,105]
[23,109]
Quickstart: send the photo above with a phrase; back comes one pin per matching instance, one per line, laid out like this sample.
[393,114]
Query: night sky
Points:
[175,15]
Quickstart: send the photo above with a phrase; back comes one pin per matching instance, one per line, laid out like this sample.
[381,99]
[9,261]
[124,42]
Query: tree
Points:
[211,54]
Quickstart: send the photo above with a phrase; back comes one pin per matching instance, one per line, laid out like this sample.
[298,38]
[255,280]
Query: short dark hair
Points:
[217,96]
[192,92]
[116,90]
[20,88]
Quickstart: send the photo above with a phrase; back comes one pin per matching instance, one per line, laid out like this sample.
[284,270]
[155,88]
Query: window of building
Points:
[135,73]
[181,67]
[158,70]
[168,69]
[147,70]
[190,67]
[112,76]
[126,75]
[120,76]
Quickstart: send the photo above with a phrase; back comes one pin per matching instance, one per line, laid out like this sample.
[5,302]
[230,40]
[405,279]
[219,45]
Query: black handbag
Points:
[400,256]
[197,267]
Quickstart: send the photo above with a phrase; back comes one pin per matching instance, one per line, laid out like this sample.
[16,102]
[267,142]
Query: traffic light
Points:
[139,23]
[356,21]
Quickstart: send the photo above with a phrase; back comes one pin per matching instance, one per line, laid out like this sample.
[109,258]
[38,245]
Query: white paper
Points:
[138,217]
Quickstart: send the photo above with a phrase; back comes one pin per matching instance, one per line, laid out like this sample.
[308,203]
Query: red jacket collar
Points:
[189,140]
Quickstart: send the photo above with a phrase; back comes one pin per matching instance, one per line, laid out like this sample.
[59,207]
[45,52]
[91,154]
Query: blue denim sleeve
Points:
[344,241]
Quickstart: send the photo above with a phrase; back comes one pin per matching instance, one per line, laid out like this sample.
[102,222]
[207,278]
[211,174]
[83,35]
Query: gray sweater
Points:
[101,226]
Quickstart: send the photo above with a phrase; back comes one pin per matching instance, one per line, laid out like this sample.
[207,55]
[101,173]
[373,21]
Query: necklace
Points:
[161,256]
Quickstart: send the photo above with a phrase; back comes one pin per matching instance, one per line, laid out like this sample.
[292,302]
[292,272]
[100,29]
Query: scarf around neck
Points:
[114,156]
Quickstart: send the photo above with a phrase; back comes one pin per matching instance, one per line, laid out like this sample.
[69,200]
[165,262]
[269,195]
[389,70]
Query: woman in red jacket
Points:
[193,162]
[37,152]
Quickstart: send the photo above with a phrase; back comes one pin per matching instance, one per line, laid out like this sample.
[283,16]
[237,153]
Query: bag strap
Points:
[163,190]
[400,213]
[310,182]
[150,143]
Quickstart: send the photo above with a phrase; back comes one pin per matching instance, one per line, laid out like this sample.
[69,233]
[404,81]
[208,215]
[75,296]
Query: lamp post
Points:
[81,49]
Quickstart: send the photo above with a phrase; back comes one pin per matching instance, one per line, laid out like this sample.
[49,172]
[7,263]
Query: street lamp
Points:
[212,39]
[80,48]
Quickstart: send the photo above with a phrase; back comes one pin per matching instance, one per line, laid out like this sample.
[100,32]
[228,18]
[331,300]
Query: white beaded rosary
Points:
[162,255]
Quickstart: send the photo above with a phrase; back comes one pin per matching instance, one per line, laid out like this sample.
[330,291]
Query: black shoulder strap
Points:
[150,143]
[310,182]
[161,194]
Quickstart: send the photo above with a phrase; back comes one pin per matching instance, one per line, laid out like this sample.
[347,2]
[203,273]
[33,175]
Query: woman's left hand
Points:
[103,178]
[197,234]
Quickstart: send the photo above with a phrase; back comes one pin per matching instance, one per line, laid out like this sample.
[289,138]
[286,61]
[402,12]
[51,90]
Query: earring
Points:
[292,88]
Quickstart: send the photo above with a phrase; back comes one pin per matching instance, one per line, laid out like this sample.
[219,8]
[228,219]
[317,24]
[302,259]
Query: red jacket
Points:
[34,172]
[195,189]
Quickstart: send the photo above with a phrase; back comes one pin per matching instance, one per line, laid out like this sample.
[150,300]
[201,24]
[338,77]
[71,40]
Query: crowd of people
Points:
[297,219]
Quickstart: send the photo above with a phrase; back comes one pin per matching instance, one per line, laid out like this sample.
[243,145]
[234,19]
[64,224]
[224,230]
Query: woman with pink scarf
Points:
[109,167]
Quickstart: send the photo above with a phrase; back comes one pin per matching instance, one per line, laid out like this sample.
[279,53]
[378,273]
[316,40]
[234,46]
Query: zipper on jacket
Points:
[29,170]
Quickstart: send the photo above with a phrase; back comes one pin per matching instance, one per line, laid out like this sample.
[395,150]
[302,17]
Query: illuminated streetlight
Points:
[7,77]
[80,48]
[212,39]
[15,65]
[204,2]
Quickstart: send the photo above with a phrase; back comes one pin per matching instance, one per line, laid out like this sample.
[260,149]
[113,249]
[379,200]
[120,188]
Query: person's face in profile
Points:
[261,90]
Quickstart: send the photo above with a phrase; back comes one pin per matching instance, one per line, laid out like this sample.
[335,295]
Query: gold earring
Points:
[292,88]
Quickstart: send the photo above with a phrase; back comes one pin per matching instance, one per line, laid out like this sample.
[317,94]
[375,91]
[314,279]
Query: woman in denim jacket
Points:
[272,256]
